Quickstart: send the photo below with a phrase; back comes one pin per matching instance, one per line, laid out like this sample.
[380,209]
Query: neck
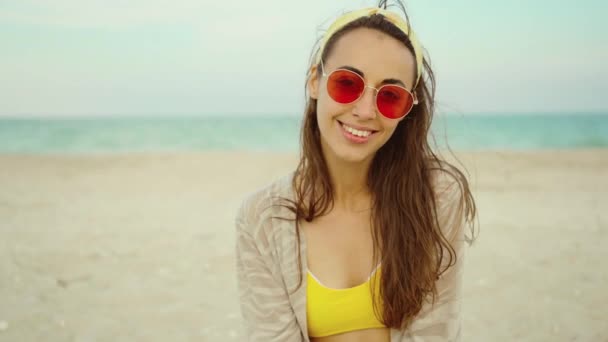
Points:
[349,180]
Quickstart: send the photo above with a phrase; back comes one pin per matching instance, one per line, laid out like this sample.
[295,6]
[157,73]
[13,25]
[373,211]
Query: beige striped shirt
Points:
[267,271]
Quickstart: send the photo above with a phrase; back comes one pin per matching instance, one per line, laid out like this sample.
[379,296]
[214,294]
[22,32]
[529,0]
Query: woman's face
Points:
[378,57]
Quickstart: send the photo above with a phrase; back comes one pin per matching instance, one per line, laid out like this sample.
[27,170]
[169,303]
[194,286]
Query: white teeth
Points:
[356,131]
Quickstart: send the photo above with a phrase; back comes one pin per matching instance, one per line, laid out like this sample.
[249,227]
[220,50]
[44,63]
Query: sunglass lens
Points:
[345,86]
[394,102]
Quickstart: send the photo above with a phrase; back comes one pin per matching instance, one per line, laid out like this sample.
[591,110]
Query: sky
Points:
[202,57]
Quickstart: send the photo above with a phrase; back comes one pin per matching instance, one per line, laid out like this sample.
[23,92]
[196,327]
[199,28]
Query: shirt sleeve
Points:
[442,321]
[264,303]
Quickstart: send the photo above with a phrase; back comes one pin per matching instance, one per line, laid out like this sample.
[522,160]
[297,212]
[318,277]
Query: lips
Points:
[355,136]
[359,128]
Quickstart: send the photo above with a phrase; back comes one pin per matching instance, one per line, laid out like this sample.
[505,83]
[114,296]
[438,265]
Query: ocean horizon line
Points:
[281,133]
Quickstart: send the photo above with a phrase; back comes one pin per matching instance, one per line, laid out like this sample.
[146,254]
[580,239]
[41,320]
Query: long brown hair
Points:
[404,220]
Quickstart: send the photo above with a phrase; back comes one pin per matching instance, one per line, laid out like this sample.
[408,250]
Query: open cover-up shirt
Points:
[268,271]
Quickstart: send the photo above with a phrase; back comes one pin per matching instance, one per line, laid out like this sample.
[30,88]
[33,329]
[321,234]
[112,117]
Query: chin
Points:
[352,155]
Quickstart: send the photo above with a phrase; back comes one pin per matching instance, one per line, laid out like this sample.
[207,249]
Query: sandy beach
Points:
[141,247]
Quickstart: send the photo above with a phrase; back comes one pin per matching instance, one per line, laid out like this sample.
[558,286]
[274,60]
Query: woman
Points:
[364,241]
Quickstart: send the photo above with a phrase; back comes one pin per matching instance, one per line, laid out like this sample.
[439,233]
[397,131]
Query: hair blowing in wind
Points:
[404,215]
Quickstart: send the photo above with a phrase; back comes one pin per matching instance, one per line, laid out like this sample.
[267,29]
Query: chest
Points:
[340,249]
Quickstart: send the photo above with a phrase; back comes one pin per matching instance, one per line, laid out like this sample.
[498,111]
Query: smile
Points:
[355,135]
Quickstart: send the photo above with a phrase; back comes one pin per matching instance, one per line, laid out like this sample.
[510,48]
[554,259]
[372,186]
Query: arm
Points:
[443,322]
[265,306]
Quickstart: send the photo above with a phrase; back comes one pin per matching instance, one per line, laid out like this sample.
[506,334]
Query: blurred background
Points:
[131,131]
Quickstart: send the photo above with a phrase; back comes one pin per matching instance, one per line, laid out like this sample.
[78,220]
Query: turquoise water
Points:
[140,134]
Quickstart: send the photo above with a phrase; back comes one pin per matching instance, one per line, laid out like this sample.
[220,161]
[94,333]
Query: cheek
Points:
[323,116]
[388,130]
[327,110]
[391,129]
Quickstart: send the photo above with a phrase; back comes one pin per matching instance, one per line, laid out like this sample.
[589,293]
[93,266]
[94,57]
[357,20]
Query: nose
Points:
[365,107]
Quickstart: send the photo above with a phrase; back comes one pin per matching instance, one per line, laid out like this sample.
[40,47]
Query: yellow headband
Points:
[366,12]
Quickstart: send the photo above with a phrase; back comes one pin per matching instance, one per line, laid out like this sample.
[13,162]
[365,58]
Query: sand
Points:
[141,247]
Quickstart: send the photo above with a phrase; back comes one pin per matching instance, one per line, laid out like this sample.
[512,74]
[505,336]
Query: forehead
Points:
[377,54]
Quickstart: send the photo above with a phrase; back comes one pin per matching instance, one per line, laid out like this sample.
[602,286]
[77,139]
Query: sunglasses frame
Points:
[415,102]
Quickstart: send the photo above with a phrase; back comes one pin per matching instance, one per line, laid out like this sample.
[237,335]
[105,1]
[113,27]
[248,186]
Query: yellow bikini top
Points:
[334,311]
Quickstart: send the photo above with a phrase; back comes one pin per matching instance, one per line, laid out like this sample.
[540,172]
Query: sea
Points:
[128,134]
